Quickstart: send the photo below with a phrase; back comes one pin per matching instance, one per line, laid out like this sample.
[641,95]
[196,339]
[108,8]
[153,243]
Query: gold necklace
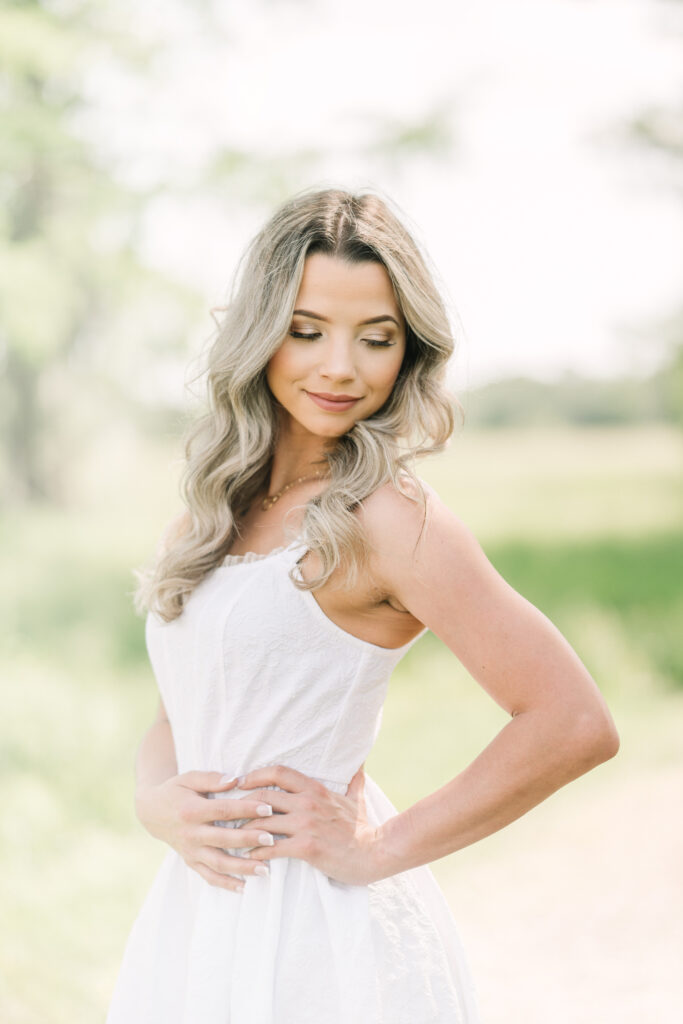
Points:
[272,498]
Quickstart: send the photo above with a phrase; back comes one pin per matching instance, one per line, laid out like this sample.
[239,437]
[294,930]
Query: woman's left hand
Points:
[328,830]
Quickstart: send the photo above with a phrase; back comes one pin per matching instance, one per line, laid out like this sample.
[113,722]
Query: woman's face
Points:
[335,367]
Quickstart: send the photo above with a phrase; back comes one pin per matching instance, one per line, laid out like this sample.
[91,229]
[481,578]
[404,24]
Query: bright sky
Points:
[554,241]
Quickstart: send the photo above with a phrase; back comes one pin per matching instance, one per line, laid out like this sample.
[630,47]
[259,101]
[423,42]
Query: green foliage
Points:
[67,237]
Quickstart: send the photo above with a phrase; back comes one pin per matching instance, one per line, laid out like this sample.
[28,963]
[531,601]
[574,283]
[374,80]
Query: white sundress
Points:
[254,673]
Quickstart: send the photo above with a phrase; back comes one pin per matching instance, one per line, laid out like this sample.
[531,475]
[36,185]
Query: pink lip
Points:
[333,403]
[334,398]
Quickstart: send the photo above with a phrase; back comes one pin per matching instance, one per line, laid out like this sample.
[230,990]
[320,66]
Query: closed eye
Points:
[312,335]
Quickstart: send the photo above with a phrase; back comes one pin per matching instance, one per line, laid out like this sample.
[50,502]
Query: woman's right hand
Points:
[179,812]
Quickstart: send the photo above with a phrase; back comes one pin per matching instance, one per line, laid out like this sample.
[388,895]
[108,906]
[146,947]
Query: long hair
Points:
[229,450]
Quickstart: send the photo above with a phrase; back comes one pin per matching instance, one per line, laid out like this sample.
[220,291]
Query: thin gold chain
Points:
[272,498]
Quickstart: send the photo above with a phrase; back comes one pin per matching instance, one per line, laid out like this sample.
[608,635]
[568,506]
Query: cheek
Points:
[384,376]
[282,366]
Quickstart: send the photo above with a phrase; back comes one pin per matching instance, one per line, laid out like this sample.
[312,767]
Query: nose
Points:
[337,359]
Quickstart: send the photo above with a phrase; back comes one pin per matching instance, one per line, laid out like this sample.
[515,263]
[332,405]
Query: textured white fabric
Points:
[254,673]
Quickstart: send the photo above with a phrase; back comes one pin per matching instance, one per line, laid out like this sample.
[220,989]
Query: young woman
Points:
[309,560]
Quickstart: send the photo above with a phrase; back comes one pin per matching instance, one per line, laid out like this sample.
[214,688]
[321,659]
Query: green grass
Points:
[557,485]
[635,584]
[587,525]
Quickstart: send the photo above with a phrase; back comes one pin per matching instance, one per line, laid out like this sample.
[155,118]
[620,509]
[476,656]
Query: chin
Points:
[332,431]
[334,426]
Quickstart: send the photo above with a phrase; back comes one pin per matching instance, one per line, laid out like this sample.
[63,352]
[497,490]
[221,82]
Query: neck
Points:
[291,461]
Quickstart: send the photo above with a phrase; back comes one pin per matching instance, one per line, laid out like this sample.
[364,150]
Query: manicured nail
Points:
[264,810]
[265,839]
[261,870]
[239,888]
[240,779]
[226,779]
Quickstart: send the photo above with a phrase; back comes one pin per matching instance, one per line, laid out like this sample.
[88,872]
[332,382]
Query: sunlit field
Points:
[587,524]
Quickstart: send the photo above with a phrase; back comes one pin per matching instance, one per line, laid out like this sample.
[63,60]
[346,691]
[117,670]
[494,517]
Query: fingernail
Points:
[264,810]
[239,888]
[240,779]
[227,778]
[265,839]
[261,870]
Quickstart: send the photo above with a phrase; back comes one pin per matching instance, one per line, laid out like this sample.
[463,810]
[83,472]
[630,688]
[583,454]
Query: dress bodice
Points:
[253,672]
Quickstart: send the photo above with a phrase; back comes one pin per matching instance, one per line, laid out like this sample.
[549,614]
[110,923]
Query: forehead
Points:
[332,286]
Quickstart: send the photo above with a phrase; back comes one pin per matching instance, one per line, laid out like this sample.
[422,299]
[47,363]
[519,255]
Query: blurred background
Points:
[535,149]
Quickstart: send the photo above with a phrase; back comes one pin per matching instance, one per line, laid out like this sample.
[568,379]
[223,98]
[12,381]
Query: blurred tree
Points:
[575,400]
[67,229]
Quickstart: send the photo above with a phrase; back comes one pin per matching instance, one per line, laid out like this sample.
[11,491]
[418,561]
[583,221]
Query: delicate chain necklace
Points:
[272,498]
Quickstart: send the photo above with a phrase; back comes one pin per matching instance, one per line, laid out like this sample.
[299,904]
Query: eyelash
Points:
[372,342]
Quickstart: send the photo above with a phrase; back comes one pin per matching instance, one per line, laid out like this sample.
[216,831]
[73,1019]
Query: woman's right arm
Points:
[154,764]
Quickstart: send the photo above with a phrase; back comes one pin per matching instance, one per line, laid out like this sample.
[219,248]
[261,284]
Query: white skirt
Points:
[296,947]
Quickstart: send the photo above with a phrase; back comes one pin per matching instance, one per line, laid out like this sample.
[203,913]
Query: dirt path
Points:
[574,915]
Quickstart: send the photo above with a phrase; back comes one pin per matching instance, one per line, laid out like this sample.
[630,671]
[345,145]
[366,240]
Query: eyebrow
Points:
[372,320]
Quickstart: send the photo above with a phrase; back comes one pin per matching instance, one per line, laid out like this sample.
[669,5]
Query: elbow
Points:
[595,737]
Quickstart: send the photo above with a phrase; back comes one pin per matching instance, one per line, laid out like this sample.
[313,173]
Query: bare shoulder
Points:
[388,501]
[402,524]
[421,549]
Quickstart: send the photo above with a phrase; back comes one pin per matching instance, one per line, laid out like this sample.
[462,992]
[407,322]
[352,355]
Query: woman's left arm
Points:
[560,726]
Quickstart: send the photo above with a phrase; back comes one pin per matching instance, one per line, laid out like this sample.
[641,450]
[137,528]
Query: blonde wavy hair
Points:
[229,450]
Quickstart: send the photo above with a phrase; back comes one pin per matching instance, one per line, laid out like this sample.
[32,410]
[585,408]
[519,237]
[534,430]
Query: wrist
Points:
[384,861]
